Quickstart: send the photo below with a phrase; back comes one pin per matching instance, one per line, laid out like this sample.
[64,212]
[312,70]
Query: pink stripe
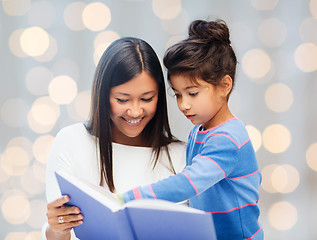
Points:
[250,204]
[244,142]
[224,174]
[152,192]
[244,175]
[191,135]
[221,134]
[199,142]
[136,193]
[191,183]
[253,234]
[202,132]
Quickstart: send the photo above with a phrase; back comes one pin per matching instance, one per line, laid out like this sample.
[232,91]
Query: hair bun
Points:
[209,31]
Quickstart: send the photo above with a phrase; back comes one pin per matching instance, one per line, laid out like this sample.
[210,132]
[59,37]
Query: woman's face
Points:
[133,105]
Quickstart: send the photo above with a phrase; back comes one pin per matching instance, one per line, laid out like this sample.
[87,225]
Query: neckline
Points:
[210,129]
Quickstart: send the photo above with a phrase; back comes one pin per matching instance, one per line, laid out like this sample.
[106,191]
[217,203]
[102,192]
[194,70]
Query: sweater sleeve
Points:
[215,161]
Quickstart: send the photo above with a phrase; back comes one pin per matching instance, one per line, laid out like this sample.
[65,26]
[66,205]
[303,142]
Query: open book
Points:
[106,218]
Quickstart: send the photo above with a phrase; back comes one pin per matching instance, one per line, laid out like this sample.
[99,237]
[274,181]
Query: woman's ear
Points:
[226,83]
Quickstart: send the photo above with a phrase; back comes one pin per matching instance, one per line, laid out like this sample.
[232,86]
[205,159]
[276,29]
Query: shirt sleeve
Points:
[58,159]
[215,161]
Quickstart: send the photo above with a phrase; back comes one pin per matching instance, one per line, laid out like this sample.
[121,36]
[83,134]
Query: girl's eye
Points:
[177,95]
[119,100]
[147,99]
[193,94]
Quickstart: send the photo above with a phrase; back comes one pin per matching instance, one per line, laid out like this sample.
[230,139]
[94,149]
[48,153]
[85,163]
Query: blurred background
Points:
[49,51]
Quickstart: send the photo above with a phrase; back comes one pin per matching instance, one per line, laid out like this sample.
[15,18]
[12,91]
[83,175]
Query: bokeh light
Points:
[73,16]
[285,178]
[311,156]
[279,97]
[96,16]
[62,89]
[313,8]
[282,215]
[256,63]
[34,236]
[102,41]
[276,138]
[43,115]
[34,41]
[16,236]
[14,161]
[41,14]
[14,43]
[266,5]
[16,7]
[50,52]
[267,184]
[255,137]
[272,32]
[14,112]
[15,207]
[79,108]
[42,147]
[166,9]
[39,171]
[306,57]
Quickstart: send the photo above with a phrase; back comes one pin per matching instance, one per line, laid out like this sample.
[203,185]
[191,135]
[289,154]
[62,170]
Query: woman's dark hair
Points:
[205,54]
[123,60]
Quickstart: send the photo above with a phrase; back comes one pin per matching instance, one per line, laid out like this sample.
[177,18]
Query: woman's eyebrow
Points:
[126,94]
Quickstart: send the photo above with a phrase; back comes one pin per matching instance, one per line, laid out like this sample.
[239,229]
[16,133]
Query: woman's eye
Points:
[177,95]
[147,99]
[193,94]
[121,100]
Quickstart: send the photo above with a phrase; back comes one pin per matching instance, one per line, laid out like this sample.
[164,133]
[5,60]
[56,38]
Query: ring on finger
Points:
[60,219]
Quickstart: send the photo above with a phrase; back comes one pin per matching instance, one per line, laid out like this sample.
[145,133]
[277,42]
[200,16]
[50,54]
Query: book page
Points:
[161,205]
[99,193]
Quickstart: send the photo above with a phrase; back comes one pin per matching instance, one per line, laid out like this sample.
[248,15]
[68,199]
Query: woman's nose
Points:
[135,110]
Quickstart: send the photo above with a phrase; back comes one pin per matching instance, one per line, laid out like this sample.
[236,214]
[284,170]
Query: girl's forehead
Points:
[184,82]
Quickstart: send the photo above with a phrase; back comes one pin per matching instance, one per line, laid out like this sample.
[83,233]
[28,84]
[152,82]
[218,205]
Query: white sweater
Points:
[74,150]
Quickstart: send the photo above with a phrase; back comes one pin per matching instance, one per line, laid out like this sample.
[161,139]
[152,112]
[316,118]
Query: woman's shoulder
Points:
[75,132]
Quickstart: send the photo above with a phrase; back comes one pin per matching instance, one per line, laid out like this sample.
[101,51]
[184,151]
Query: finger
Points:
[70,218]
[53,213]
[58,202]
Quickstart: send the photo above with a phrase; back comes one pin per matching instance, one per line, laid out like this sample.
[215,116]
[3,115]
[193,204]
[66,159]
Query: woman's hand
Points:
[62,219]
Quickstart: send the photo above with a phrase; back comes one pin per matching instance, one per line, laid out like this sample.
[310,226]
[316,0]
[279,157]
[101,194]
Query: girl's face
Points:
[133,105]
[201,102]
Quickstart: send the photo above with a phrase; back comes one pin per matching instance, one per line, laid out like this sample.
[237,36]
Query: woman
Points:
[127,141]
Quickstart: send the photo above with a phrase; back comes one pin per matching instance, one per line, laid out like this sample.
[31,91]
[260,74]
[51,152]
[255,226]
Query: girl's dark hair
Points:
[205,54]
[123,60]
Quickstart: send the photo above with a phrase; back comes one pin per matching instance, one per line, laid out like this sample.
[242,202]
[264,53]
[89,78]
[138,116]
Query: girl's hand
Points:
[62,218]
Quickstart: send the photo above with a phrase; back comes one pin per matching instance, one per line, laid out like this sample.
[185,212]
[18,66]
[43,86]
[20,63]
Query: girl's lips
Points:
[190,116]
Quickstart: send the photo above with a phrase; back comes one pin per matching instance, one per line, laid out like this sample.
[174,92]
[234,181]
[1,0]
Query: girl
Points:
[222,175]
[127,140]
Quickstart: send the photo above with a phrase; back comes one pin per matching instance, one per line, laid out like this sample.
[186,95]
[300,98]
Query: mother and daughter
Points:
[127,145]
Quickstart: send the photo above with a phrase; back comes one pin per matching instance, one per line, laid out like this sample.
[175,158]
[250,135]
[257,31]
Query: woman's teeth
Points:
[133,121]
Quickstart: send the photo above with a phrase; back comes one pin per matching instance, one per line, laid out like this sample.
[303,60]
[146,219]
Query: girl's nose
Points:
[184,105]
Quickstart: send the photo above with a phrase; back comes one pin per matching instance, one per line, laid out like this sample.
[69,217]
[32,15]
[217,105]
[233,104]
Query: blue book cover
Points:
[106,218]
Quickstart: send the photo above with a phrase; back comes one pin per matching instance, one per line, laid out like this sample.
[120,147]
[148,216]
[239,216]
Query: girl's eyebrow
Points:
[187,88]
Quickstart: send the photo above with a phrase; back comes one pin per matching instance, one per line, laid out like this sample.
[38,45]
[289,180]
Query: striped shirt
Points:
[222,178]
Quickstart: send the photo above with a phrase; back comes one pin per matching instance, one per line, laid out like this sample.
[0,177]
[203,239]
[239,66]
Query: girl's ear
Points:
[226,83]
